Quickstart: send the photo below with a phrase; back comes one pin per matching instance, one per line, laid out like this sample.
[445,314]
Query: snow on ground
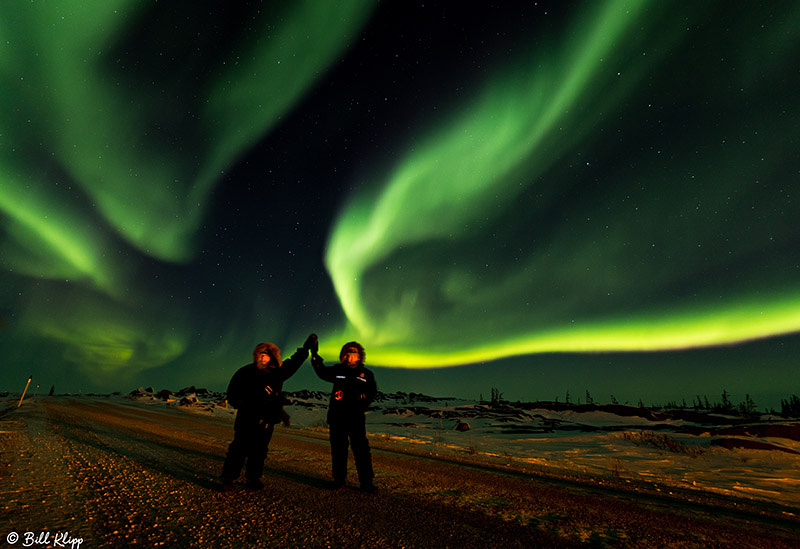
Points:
[680,450]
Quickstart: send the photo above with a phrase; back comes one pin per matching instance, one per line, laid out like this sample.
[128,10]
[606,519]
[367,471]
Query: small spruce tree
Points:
[790,407]
[748,407]
[726,405]
[497,396]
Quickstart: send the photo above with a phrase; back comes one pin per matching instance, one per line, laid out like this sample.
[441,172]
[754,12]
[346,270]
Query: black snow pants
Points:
[250,443]
[352,432]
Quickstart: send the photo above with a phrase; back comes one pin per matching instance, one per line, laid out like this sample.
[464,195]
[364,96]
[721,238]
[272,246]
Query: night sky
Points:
[540,197]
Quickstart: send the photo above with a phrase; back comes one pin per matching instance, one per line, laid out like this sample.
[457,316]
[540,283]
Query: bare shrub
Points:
[662,442]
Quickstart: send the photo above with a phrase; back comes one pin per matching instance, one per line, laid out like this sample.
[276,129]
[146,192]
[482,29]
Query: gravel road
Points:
[99,472]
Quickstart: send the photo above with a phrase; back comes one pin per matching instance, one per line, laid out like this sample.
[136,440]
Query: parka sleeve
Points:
[293,363]
[325,374]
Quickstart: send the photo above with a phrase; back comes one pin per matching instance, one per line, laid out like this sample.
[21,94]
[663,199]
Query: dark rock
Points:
[305,394]
[462,426]
[302,403]
[409,397]
[407,411]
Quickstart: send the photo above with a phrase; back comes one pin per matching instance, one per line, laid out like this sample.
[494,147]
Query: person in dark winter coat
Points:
[255,391]
[354,389]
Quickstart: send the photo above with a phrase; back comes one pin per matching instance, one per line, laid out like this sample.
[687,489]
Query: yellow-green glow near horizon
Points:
[110,337]
[397,254]
[679,331]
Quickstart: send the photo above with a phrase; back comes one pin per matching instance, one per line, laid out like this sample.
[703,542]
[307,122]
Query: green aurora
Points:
[618,272]
[587,177]
[103,171]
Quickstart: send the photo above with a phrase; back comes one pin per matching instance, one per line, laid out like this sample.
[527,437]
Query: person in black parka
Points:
[255,391]
[354,389]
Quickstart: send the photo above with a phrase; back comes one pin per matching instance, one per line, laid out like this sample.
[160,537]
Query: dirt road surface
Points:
[98,472]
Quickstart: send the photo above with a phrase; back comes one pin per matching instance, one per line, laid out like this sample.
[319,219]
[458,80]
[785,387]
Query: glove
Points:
[311,344]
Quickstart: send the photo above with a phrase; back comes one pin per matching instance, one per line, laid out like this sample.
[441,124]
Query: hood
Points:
[353,345]
[271,349]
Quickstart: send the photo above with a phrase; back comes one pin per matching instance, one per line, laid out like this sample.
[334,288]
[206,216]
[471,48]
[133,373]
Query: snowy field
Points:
[756,458]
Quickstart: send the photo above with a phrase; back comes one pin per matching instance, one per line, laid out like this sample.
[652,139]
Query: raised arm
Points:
[325,374]
[293,363]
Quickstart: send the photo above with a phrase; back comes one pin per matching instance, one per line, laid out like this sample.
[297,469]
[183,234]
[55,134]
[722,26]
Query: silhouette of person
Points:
[255,390]
[354,389]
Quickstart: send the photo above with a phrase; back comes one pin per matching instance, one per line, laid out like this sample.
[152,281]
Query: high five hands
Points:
[311,344]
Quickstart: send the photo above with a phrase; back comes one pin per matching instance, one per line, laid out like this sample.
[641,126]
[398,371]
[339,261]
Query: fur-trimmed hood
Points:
[362,354]
[271,349]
